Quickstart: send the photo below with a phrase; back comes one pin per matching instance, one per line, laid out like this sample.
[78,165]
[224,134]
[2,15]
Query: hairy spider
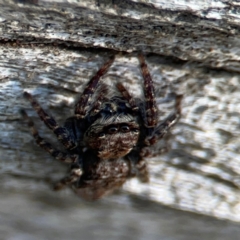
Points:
[107,139]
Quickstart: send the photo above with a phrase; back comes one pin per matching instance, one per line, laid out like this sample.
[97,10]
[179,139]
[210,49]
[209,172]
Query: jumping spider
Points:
[107,139]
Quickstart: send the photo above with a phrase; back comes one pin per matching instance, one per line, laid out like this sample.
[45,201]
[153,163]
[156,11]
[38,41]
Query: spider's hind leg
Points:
[74,176]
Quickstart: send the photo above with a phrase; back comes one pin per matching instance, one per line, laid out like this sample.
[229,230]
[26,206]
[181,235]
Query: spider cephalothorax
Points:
[107,138]
[115,131]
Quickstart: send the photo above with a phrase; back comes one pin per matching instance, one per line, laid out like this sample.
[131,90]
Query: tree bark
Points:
[51,49]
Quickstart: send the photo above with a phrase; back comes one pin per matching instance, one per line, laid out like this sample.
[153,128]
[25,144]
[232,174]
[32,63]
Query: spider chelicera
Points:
[107,139]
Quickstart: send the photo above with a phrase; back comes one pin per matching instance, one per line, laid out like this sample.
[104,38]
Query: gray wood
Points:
[52,49]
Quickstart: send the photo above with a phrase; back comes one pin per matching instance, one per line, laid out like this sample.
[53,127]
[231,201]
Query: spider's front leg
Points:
[131,101]
[163,128]
[151,110]
[170,121]
[102,93]
[85,101]
[154,131]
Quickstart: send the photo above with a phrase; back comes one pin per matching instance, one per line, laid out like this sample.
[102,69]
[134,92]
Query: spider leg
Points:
[100,98]
[141,171]
[74,175]
[62,133]
[128,97]
[151,106]
[138,166]
[63,157]
[162,129]
[86,99]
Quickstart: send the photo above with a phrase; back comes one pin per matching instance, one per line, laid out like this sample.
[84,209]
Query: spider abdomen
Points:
[101,177]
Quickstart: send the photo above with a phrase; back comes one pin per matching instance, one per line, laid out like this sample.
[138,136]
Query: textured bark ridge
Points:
[51,49]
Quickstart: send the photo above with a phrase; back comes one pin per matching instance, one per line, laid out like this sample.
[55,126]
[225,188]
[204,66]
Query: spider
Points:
[107,139]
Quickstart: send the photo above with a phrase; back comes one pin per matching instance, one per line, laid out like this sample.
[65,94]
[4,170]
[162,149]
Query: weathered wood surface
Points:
[52,48]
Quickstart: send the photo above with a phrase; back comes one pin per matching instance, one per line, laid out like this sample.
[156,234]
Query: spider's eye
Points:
[101,135]
[136,130]
[125,128]
[112,130]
